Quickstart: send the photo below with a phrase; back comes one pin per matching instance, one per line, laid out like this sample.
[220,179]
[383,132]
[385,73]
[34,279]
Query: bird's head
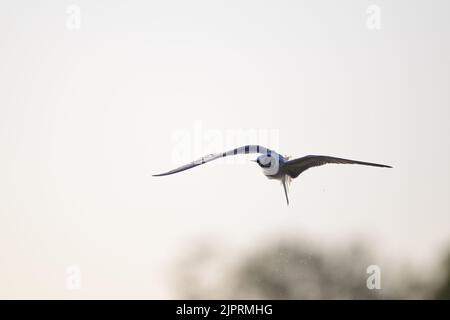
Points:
[264,161]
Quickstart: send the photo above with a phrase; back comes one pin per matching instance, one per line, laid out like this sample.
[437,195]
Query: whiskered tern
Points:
[274,165]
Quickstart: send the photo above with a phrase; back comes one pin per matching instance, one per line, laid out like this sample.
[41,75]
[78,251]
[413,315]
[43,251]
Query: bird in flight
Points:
[274,165]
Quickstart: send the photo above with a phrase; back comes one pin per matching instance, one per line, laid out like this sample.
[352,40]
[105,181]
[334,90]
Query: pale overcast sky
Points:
[91,107]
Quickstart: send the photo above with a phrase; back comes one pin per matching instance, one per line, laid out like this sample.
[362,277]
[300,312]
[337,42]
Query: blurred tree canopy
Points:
[290,271]
[443,291]
[297,270]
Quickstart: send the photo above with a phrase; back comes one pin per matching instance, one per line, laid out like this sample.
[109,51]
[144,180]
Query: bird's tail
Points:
[285,181]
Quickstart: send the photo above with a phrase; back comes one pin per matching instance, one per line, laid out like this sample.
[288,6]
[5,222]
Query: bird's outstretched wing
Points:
[241,150]
[296,166]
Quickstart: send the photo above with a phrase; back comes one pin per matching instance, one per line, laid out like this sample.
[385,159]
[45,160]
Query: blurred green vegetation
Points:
[443,289]
[299,270]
